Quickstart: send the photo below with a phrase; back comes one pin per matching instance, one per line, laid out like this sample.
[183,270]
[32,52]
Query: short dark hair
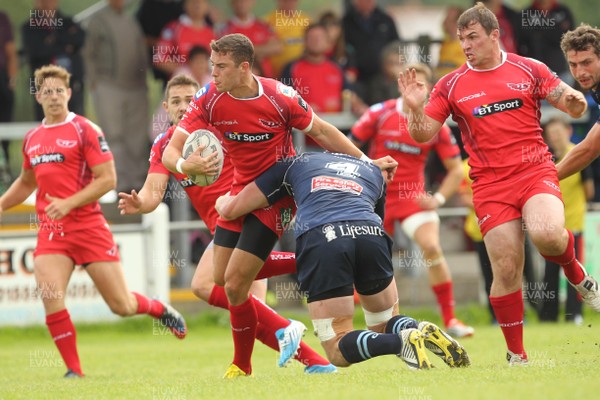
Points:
[479,13]
[582,38]
[198,50]
[237,45]
[180,80]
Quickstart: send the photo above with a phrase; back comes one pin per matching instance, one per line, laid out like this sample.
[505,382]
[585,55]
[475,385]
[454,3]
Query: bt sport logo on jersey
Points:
[493,108]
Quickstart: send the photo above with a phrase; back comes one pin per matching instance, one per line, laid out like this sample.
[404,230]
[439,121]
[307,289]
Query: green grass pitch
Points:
[135,359]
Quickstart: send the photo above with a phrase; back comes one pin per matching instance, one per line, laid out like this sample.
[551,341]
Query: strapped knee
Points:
[436,261]
[374,319]
[330,328]
[330,331]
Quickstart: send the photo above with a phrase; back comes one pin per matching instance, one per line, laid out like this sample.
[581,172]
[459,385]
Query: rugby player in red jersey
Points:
[68,161]
[384,127]
[179,92]
[254,117]
[495,99]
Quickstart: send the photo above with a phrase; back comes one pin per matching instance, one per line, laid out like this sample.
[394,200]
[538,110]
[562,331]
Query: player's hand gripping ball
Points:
[203,137]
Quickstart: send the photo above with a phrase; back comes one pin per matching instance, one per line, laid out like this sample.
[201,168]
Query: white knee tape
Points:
[376,318]
[324,329]
[437,261]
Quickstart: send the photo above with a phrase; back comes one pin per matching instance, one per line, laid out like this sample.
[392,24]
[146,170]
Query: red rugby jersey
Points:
[203,198]
[320,85]
[178,37]
[385,126]
[498,113]
[61,157]
[256,132]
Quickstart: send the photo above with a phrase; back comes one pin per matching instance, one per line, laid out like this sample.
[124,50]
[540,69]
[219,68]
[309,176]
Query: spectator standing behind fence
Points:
[50,37]
[543,24]
[339,51]
[451,54]
[384,85]
[259,32]
[367,29]
[153,16]
[288,23]
[179,36]
[576,189]
[319,80]
[116,67]
[9,66]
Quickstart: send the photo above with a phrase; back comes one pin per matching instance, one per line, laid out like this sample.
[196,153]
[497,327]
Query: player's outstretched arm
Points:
[20,189]
[105,179]
[147,199]
[581,155]
[421,127]
[249,199]
[568,100]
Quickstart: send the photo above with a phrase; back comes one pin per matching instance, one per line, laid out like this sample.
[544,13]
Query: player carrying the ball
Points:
[254,117]
[179,92]
[68,161]
[495,99]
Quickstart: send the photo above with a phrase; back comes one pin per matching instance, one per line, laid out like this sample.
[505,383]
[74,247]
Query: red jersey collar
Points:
[502,60]
[68,119]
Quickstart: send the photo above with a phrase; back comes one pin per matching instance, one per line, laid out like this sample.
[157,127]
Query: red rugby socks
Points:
[148,306]
[445,298]
[63,333]
[570,265]
[509,310]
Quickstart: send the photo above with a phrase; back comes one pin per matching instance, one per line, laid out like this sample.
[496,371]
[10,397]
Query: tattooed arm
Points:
[566,99]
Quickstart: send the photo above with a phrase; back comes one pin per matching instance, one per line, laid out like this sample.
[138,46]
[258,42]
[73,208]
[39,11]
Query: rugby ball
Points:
[199,138]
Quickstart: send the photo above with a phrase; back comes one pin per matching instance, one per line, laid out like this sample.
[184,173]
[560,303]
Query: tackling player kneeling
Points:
[345,247]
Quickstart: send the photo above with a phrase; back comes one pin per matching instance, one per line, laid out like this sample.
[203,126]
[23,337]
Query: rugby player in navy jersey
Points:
[341,245]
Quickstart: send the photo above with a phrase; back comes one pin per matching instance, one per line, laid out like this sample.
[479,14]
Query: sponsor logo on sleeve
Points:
[103,144]
[494,108]
[201,92]
[302,103]
[157,139]
[285,90]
